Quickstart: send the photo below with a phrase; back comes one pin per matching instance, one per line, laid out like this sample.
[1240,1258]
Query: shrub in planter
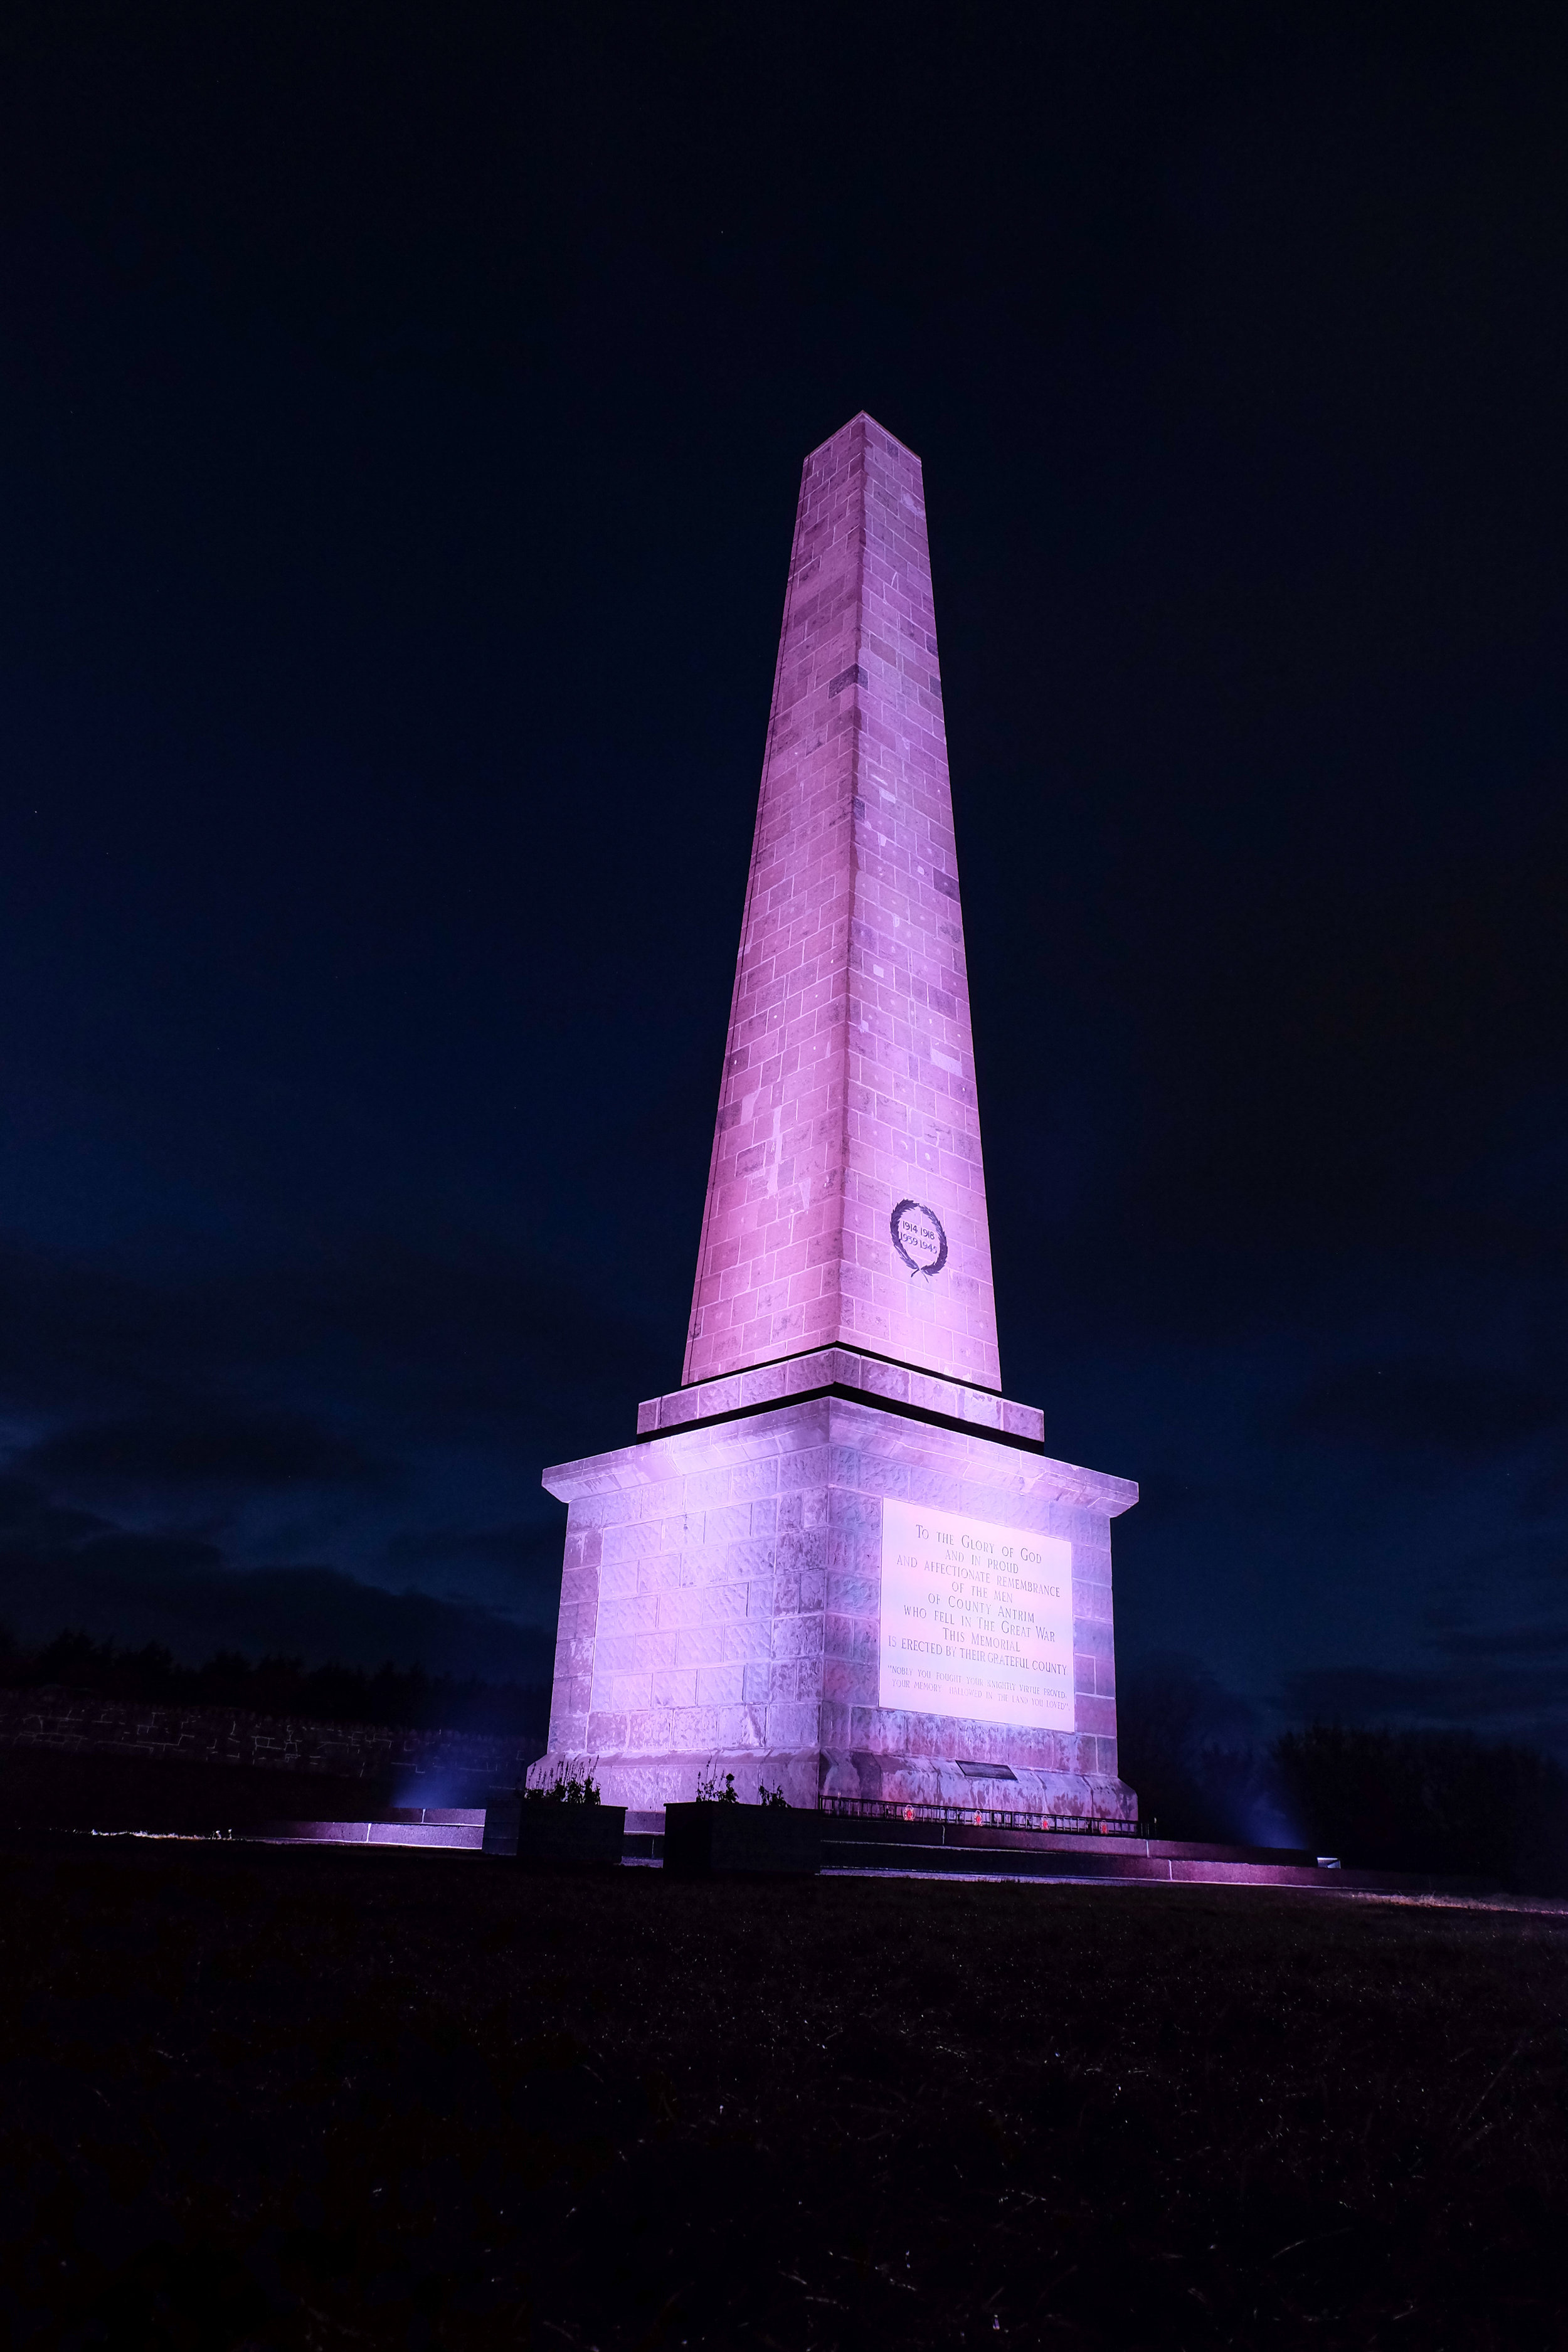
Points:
[562,1823]
[719,1834]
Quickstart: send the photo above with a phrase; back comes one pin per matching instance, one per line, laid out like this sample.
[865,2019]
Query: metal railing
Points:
[980,1817]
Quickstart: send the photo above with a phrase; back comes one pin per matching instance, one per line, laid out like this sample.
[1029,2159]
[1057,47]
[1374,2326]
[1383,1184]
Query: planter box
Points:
[554,1836]
[700,1841]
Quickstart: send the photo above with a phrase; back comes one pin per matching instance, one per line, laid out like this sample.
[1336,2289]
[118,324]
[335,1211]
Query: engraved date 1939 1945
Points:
[919,1238]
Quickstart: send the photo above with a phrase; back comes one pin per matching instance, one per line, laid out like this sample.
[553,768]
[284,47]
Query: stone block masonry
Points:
[721,1609]
[838,1558]
[846,1198]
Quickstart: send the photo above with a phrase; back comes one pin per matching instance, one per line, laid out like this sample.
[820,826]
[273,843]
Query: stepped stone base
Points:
[647,1783]
[722,1603]
[988,1851]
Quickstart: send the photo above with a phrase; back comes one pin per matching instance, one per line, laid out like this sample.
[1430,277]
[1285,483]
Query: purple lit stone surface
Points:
[721,1604]
[849,1082]
[721,1598]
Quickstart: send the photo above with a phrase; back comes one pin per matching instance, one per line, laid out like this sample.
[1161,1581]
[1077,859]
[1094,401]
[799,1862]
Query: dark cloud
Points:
[459,1340]
[1483,1692]
[1410,1406]
[28,1516]
[62,1569]
[200,1450]
[521,1547]
[357,1404]
[1539,1643]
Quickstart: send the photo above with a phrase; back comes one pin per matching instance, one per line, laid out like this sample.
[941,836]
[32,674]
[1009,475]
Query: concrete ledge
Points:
[839,1367]
[462,1832]
[791,1428]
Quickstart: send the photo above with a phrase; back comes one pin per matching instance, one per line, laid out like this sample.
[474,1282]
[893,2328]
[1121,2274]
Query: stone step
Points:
[945,1848]
[460,1827]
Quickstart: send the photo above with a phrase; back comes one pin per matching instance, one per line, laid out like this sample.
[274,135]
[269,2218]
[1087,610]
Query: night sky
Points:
[401,419]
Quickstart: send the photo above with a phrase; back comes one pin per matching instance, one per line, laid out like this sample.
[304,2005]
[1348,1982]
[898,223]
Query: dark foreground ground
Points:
[305,2098]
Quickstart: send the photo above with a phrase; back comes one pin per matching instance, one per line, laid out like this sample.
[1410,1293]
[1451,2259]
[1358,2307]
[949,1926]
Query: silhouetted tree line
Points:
[1443,1801]
[1438,1801]
[401,1696]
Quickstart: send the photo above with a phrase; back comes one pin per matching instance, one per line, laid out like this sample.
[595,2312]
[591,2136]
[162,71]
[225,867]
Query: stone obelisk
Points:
[848,1085]
[837,1558]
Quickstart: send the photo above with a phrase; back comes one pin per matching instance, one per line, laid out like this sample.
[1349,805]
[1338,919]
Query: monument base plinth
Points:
[840,1578]
[645,1784]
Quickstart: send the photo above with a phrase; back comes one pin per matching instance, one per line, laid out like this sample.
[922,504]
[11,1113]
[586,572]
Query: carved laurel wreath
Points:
[913,1264]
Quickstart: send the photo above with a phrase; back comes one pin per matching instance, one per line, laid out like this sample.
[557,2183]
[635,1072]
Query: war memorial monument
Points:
[838,1558]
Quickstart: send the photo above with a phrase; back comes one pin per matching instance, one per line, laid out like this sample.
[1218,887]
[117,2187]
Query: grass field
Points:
[307,2098]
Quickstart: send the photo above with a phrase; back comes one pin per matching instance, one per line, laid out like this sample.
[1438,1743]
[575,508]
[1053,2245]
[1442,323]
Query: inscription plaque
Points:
[976,1620]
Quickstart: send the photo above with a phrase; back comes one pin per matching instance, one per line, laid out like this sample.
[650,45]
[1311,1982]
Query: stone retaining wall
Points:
[78,1724]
